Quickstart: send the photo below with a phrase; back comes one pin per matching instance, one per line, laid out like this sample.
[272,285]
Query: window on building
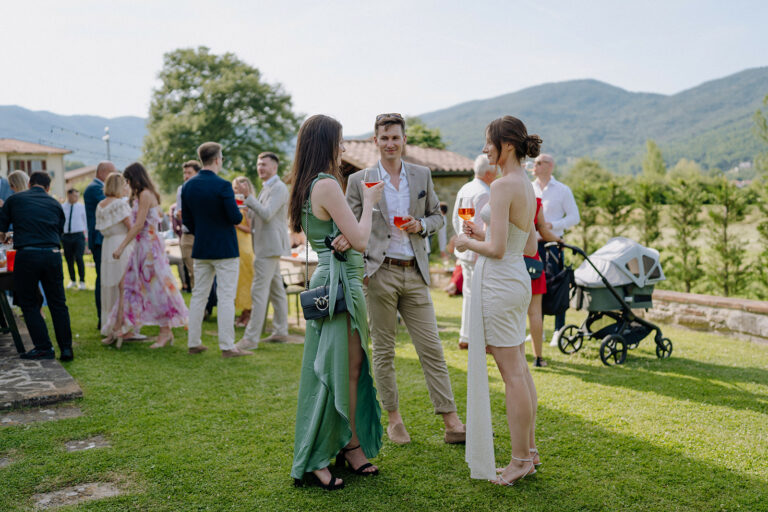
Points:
[28,166]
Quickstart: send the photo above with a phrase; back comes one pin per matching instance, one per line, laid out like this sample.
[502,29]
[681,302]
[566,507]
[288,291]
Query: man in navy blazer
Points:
[93,195]
[210,213]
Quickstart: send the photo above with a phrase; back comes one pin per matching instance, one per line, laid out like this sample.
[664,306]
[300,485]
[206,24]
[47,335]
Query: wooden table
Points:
[7,320]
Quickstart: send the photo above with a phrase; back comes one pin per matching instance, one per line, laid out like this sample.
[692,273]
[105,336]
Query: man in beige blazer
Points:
[397,276]
[269,230]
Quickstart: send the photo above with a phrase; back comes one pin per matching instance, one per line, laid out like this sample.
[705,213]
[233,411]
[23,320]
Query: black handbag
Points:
[315,303]
[535,267]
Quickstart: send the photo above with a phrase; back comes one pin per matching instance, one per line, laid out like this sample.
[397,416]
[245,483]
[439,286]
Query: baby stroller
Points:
[610,283]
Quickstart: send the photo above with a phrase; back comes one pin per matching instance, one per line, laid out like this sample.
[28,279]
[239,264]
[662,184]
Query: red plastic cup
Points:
[10,256]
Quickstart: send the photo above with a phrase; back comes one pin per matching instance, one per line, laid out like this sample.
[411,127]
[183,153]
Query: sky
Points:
[353,59]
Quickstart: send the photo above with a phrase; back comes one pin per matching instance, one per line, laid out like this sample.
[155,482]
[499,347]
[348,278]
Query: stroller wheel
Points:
[569,339]
[613,350]
[664,348]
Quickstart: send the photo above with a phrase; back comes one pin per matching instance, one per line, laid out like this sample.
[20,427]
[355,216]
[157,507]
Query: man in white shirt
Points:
[73,238]
[559,210]
[479,191]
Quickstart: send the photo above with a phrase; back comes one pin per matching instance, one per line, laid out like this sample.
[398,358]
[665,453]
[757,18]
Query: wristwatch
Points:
[423,231]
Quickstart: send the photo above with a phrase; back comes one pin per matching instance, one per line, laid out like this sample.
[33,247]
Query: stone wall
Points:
[746,319]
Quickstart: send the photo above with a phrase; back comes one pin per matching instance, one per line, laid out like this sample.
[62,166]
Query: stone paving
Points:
[76,494]
[87,444]
[15,417]
[28,383]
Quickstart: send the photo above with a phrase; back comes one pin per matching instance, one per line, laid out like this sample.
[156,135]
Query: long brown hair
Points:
[317,150]
[138,179]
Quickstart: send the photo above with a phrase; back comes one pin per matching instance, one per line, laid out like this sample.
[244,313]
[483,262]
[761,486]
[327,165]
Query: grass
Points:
[203,433]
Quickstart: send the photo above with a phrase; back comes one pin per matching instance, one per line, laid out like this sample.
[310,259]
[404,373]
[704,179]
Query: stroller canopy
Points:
[622,261]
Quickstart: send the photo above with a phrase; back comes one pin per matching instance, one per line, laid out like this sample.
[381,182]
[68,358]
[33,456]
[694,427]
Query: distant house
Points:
[449,170]
[78,176]
[19,155]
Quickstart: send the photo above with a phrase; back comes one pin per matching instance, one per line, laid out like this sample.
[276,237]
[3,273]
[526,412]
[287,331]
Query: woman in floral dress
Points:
[150,295]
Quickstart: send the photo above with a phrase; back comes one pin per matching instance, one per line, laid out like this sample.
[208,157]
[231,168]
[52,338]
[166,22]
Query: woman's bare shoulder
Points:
[147,197]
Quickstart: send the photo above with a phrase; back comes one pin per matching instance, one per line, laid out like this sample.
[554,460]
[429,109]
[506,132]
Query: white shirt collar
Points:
[385,175]
[271,180]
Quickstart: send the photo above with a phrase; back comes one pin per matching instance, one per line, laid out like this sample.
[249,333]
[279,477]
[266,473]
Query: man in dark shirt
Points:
[38,221]
[93,194]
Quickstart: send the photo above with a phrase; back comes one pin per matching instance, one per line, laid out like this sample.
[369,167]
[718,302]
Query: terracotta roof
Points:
[364,153]
[29,148]
[78,173]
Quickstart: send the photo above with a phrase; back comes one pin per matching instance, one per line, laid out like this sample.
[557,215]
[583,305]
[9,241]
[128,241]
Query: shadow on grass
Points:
[586,466]
[679,378]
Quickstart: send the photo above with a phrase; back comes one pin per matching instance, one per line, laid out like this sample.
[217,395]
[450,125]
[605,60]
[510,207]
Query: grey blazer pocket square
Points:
[423,193]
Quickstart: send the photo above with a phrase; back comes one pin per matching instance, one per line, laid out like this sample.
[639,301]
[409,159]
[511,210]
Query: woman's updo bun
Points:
[533,146]
[509,129]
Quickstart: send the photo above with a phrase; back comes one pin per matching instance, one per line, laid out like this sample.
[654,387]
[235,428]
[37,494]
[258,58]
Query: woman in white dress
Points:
[113,220]
[501,292]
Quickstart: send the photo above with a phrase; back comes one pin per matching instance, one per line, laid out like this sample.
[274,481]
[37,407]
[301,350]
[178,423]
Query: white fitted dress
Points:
[501,293]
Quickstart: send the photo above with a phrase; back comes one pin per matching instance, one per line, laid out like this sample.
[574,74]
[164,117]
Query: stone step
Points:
[26,383]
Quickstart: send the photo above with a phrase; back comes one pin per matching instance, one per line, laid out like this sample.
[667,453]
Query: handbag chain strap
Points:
[306,248]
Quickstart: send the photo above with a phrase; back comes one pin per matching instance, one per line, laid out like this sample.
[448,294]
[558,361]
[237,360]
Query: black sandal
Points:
[539,362]
[330,486]
[341,460]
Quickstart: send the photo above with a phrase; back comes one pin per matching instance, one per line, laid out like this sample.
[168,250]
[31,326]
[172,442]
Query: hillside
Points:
[81,134]
[710,123]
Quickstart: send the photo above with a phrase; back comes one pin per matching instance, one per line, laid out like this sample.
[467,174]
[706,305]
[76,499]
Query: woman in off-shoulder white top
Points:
[113,220]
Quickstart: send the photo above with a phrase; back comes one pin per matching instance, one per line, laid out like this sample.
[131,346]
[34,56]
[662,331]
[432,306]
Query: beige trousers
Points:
[185,245]
[267,287]
[392,289]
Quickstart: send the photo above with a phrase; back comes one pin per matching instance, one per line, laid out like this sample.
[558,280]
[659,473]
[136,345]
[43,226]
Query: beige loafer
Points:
[397,434]
[235,352]
[456,436]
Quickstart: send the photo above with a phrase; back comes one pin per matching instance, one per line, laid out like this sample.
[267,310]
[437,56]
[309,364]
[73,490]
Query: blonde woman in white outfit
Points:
[113,220]
[501,292]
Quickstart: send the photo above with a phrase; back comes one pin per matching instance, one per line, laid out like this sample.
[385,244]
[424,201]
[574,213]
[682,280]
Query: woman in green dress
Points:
[338,412]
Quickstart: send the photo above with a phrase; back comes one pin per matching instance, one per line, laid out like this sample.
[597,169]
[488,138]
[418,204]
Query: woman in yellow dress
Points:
[245,245]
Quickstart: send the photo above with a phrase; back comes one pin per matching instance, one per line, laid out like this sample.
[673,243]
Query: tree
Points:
[71,165]
[761,131]
[586,179]
[586,170]
[648,196]
[208,97]
[685,200]
[653,164]
[761,274]
[726,266]
[616,204]
[686,170]
[419,134]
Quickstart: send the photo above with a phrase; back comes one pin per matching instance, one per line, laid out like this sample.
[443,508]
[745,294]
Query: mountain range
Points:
[710,123]
[80,134]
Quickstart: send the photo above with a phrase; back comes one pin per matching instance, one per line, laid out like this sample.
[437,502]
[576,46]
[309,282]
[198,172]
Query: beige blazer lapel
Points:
[382,206]
[414,186]
[263,196]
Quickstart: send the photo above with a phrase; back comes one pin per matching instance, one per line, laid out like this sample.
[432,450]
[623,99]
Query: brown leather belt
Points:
[400,263]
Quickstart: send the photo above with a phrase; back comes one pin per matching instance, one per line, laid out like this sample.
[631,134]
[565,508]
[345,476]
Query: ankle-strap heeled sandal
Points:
[341,459]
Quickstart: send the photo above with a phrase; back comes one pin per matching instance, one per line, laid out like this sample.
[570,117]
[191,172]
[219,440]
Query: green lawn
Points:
[203,433]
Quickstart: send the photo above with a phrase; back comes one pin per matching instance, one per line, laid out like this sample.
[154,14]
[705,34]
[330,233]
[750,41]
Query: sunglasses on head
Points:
[393,115]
